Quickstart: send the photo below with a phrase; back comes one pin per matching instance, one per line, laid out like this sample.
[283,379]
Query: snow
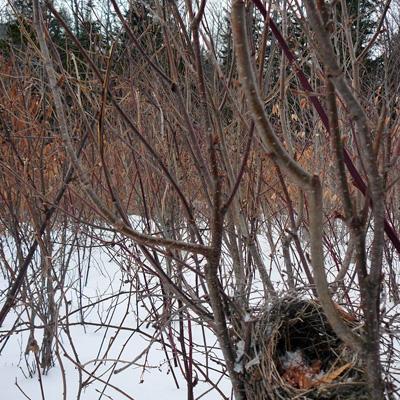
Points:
[239,356]
[112,333]
[253,362]
[292,359]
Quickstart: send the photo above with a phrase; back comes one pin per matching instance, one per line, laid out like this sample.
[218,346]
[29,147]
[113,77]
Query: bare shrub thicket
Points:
[222,163]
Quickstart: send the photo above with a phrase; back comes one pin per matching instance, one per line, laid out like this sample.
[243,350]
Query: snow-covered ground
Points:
[110,342]
[112,331]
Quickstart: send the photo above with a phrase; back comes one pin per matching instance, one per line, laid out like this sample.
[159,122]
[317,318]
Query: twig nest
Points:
[293,353]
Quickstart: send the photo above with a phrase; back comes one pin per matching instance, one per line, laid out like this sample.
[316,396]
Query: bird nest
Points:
[293,353]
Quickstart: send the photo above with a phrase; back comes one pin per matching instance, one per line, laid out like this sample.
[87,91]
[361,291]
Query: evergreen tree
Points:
[90,34]
[361,22]
[20,24]
[225,52]
[144,25]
